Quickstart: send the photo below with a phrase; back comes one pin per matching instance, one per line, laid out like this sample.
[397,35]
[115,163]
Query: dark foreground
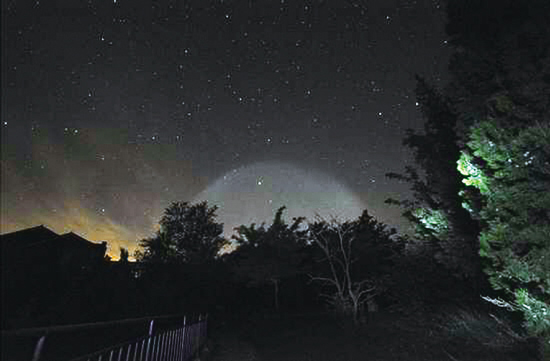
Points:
[426,336]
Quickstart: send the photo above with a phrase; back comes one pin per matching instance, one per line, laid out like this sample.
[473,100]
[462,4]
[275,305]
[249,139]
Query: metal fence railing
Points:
[167,338]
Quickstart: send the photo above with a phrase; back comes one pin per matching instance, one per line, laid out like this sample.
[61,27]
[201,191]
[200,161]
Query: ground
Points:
[426,336]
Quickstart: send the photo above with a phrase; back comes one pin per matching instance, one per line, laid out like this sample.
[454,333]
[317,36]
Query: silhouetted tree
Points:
[440,222]
[124,254]
[188,234]
[269,255]
[157,249]
[498,107]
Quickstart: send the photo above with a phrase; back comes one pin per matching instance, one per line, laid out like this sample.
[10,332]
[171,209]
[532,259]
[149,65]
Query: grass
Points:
[455,335]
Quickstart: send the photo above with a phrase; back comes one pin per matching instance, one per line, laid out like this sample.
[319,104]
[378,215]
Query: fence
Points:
[165,338]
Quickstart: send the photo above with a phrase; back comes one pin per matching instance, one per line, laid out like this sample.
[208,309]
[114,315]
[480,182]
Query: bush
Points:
[476,327]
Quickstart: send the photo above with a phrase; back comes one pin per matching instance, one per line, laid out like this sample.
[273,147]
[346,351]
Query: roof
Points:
[40,234]
[27,237]
[75,239]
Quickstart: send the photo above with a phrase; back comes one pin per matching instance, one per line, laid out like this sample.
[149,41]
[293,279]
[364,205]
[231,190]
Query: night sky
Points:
[113,110]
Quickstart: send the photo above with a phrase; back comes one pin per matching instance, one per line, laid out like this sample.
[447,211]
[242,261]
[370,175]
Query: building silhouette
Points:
[38,266]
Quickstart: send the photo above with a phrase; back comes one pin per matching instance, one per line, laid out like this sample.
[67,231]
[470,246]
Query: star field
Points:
[112,110]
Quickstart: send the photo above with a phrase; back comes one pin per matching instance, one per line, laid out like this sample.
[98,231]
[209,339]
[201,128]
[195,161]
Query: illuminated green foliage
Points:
[431,222]
[536,312]
[500,81]
[474,175]
[511,170]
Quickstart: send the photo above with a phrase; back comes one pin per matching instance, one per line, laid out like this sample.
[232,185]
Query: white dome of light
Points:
[253,193]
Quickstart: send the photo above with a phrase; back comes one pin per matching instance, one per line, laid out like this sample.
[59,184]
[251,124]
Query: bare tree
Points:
[336,242]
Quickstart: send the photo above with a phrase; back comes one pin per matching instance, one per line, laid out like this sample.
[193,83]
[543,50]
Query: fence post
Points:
[184,352]
[199,343]
[205,328]
[38,348]
[149,339]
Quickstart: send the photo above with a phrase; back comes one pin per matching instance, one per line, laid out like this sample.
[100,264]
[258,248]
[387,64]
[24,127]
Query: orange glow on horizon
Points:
[87,224]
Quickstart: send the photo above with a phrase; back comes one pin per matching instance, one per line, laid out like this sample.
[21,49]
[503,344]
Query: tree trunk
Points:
[276,294]
[372,308]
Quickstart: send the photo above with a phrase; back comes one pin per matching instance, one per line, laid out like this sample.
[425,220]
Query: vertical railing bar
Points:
[159,340]
[195,328]
[184,351]
[141,353]
[136,350]
[199,333]
[119,354]
[188,341]
[198,340]
[180,338]
[205,328]
[157,346]
[128,351]
[167,354]
[192,339]
[143,350]
[111,355]
[172,343]
[153,345]
[163,352]
[168,344]
[201,319]
[149,340]
[183,337]
[182,343]
[38,348]
[160,347]
[177,345]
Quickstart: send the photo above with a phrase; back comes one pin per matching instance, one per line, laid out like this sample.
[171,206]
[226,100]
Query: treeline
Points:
[351,267]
